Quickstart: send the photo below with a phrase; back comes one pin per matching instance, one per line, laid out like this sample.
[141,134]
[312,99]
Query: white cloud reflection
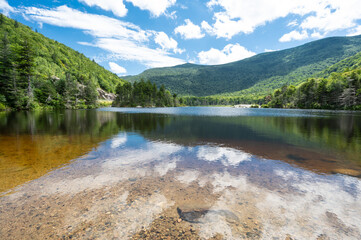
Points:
[228,156]
[119,140]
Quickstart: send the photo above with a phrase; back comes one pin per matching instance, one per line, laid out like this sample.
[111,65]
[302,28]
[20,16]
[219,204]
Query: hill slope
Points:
[54,65]
[257,75]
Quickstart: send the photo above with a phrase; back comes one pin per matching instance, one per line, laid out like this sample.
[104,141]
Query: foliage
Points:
[36,71]
[144,94]
[339,91]
[256,76]
[218,100]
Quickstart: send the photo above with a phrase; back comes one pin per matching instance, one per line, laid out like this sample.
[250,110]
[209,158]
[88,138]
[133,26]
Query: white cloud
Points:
[230,53]
[292,23]
[189,30]
[294,35]
[225,27]
[243,16]
[316,35]
[95,25]
[117,7]
[155,7]
[171,15]
[355,31]
[128,50]
[5,7]
[115,68]
[123,40]
[270,50]
[166,42]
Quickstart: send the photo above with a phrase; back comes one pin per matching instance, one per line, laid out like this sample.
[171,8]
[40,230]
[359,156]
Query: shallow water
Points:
[180,173]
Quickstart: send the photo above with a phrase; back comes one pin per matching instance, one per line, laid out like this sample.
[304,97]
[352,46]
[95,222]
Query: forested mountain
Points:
[37,71]
[258,75]
[337,87]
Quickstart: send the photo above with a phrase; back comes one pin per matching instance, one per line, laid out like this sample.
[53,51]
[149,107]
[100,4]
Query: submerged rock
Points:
[195,215]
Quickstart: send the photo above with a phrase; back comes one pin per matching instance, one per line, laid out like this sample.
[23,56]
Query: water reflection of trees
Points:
[338,132]
[66,122]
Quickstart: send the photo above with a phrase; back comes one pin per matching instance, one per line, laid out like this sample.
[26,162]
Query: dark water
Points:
[176,173]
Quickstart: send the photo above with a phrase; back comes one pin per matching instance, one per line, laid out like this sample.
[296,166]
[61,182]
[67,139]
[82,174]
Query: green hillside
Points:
[58,75]
[258,75]
[345,65]
[337,87]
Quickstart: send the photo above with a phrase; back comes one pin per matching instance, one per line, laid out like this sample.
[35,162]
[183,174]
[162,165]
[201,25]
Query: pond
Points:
[180,173]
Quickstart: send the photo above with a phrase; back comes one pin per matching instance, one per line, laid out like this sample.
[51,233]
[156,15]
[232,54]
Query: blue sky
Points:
[129,36]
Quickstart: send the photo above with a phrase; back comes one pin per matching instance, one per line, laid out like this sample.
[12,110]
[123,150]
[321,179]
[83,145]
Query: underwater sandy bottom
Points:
[133,188]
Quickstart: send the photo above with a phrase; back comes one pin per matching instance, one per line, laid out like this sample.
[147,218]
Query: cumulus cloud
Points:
[123,40]
[124,49]
[189,30]
[294,35]
[115,68]
[155,7]
[230,53]
[117,7]
[5,7]
[166,42]
[243,16]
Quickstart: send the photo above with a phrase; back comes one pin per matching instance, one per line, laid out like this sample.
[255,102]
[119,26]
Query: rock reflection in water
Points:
[130,187]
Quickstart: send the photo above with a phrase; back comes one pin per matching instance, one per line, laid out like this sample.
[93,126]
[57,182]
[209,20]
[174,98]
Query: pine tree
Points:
[6,67]
[91,93]
[25,67]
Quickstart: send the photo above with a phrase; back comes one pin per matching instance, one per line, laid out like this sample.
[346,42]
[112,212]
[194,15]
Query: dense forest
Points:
[36,71]
[339,91]
[257,76]
[219,100]
[145,94]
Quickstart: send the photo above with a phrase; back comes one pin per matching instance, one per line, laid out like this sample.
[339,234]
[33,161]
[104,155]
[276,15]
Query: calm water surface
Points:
[180,173]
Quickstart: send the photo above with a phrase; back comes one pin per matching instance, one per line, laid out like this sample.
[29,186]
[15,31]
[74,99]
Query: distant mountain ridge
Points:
[258,75]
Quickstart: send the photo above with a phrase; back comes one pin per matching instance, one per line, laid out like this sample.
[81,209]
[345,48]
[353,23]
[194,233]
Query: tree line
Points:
[219,100]
[145,94]
[339,91]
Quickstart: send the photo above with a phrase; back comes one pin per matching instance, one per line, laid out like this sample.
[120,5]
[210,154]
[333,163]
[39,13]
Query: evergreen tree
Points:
[6,67]
[25,67]
[71,92]
[91,93]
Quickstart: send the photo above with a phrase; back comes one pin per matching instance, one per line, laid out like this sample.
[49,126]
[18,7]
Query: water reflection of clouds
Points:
[119,140]
[149,152]
[299,203]
[320,205]
[228,156]
[188,176]
[164,167]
